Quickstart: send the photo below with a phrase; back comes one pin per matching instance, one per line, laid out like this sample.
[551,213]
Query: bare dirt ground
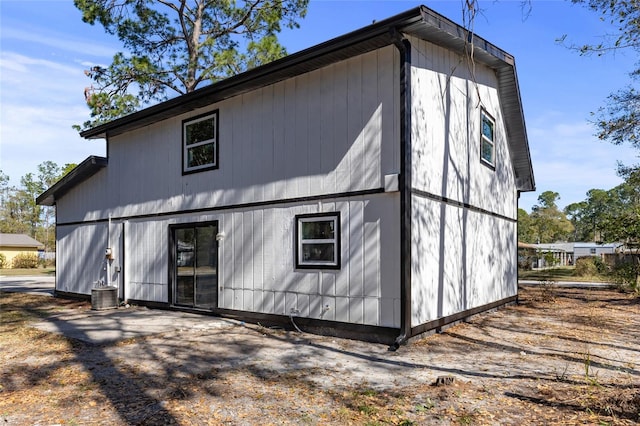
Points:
[562,356]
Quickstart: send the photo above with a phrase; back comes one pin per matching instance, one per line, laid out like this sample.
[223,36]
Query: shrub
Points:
[601,266]
[586,266]
[3,261]
[25,260]
[626,275]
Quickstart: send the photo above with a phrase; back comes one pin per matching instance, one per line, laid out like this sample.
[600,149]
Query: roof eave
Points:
[446,33]
[81,172]
[367,38]
[422,22]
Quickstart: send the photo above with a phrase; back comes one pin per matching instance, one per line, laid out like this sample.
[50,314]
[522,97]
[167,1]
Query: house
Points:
[12,245]
[582,249]
[564,254]
[364,187]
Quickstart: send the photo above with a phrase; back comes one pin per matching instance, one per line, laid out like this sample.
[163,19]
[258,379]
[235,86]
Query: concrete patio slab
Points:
[107,326]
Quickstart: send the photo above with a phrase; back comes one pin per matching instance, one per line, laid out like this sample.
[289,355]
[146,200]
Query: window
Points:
[200,143]
[592,251]
[487,140]
[318,241]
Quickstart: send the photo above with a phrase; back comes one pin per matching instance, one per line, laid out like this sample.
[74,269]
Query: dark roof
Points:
[19,240]
[352,44]
[82,171]
[421,22]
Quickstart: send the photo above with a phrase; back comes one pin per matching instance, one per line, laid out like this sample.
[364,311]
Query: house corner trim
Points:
[404,48]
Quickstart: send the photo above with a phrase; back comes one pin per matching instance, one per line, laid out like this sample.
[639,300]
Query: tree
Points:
[48,174]
[622,224]
[29,210]
[4,186]
[174,46]
[618,121]
[621,221]
[12,207]
[19,213]
[575,212]
[526,232]
[588,216]
[549,223]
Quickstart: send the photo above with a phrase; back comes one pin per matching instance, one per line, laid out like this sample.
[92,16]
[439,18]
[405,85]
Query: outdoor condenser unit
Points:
[104,298]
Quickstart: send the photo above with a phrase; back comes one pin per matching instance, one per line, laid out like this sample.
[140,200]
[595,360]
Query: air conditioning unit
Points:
[104,298]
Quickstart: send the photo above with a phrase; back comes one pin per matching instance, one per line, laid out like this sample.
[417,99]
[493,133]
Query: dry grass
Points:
[570,357]
[11,272]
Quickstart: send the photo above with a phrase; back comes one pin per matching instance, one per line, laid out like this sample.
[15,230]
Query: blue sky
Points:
[45,48]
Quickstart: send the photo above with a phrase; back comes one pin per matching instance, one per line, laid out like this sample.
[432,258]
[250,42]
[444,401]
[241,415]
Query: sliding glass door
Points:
[195,265]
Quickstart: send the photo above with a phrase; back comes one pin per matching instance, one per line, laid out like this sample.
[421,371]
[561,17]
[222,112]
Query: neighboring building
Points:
[594,249]
[564,254]
[12,245]
[367,186]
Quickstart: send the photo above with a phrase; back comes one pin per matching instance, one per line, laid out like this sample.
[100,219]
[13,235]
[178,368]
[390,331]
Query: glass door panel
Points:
[206,267]
[196,266]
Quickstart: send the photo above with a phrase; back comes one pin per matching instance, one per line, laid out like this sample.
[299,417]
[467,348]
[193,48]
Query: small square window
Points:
[318,241]
[200,143]
[487,140]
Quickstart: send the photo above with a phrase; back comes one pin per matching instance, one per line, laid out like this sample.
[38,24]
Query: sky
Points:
[45,48]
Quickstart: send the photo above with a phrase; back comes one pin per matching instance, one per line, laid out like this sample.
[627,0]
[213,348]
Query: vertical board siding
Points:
[147,260]
[259,274]
[86,242]
[447,99]
[328,131]
[464,259]
[116,242]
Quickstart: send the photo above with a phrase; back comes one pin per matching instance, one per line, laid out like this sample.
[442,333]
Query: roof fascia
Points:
[444,32]
[289,66]
[421,22]
[81,172]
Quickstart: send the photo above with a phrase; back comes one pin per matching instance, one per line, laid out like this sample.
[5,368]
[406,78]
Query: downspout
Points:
[404,48]
[107,259]
[58,269]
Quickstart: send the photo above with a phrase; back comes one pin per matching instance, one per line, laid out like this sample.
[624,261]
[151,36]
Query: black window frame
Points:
[215,115]
[302,218]
[483,139]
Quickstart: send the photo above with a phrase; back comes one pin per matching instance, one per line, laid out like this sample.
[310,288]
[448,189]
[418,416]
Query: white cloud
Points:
[40,101]
[568,159]
[16,67]
[58,41]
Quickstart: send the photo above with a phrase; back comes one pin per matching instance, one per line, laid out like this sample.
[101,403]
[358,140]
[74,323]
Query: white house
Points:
[585,249]
[366,187]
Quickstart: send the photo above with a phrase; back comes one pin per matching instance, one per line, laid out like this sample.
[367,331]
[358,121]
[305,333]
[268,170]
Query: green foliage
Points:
[526,233]
[19,213]
[609,216]
[590,266]
[625,274]
[25,261]
[549,259]
[621,220]
[618,121]
[176,46]
[587,216]
[547,223]
[3,261]
[601,266]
